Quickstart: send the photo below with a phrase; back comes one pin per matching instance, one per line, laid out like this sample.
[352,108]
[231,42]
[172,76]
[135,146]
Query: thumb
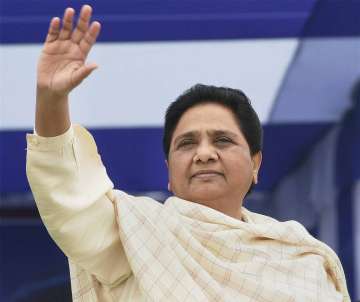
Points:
[83,72]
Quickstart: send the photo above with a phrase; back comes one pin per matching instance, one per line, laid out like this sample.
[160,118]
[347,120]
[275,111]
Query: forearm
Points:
[52,116]
[65,173]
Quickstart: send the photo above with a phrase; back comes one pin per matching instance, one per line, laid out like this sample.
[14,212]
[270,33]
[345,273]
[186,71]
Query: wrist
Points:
[47,95]
[52,116]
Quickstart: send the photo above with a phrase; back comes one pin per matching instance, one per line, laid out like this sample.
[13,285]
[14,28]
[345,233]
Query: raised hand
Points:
[62,66]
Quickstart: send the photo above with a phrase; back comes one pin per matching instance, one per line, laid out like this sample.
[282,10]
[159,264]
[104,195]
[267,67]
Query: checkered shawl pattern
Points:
[184,251]
[176,251]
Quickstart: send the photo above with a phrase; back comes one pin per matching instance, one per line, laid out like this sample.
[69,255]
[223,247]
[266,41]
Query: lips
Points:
[206,173]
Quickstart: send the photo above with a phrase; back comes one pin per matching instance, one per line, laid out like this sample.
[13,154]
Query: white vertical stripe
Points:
[328,226]
[319,82]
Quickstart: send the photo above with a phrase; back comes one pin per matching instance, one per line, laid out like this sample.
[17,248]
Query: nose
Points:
[205,153]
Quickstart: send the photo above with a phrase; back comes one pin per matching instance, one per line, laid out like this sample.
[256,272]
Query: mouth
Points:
[206,174]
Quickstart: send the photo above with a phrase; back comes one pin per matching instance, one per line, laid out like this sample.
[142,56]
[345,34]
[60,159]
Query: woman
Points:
[201,244]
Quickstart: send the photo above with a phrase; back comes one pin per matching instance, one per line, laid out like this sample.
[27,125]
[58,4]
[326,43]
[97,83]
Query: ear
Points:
[256,159]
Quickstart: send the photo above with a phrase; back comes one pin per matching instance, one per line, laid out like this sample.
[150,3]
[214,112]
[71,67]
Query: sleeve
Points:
[74,197]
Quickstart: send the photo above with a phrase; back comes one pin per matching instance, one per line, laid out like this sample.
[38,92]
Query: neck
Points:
[232,209]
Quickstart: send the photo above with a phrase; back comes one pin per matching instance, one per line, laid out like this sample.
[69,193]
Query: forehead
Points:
[208,116]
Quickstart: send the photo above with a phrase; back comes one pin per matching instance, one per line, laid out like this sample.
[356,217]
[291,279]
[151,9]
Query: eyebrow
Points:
[192,134]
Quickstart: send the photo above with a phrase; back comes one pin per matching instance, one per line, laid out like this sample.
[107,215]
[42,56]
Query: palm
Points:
[62,62]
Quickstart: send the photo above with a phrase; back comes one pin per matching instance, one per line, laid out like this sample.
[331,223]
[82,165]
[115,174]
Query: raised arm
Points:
[61,68]
[72,190]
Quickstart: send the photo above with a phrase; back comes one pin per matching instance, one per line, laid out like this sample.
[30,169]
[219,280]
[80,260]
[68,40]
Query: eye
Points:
[186,143]
[223,140]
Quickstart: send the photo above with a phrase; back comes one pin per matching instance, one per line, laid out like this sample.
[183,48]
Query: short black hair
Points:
[233,99]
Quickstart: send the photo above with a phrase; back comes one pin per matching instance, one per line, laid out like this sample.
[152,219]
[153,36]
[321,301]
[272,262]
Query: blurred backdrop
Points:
[298,61]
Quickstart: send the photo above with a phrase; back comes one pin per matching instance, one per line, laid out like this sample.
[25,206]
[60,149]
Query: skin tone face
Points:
[210,161]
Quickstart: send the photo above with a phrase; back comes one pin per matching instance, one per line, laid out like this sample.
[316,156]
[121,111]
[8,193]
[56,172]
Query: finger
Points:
[90,37]
[67,24]
[80,74]
[54,30]
[82,24]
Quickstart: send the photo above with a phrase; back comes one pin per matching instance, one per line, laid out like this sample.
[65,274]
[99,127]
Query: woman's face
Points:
[209,158]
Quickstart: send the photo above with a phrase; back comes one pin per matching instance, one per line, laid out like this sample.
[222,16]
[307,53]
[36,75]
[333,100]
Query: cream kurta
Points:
[126,248]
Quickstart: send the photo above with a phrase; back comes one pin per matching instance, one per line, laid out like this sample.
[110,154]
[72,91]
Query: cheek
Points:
[177,176]
[239,164]
[179,166]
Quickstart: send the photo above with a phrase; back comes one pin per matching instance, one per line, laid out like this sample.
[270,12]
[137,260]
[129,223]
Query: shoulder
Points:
[289,231]
[140,204]
[290,228]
